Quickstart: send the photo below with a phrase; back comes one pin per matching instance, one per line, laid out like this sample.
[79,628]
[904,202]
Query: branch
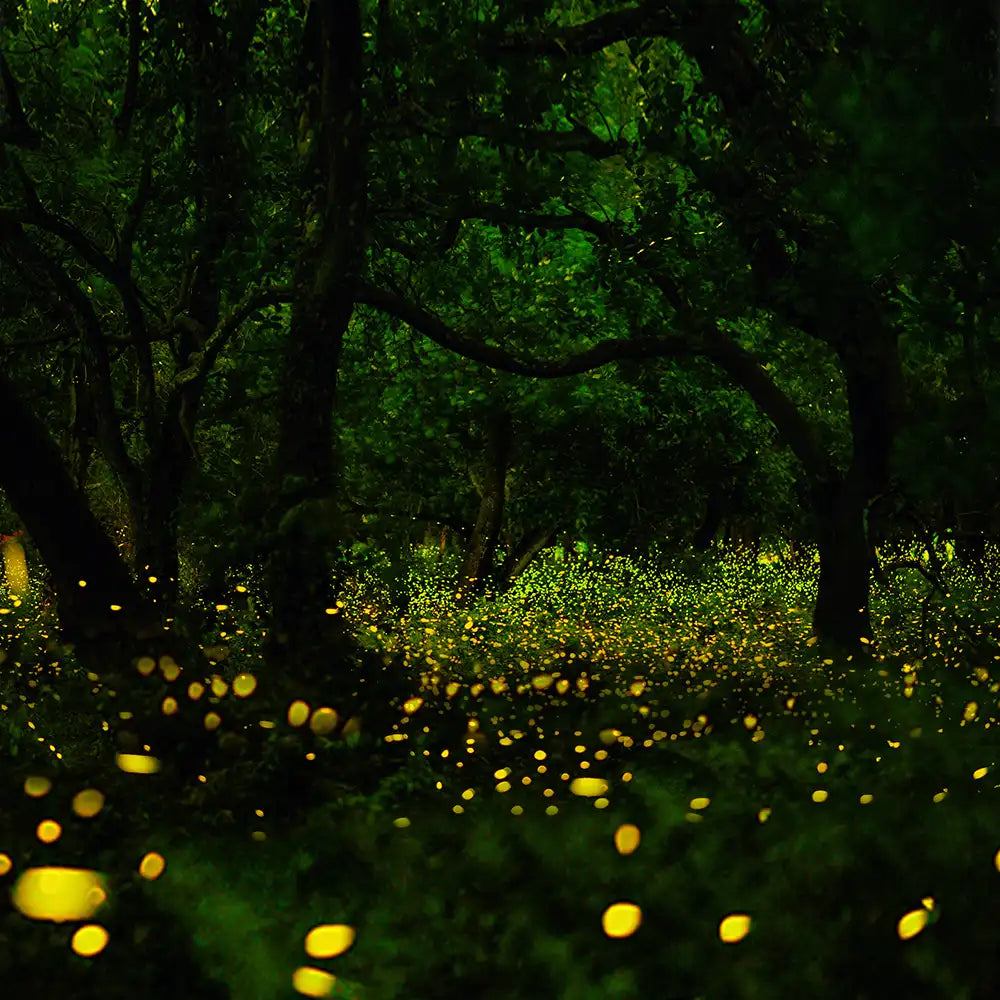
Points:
[133,215]
[503,133]
[123,120]
[746,371]
[426,323]
[120,276]
[71,298]
[703,339]
[202,362]
[608,232]
[259,299]
[229,326]
[12,346]
[35,214]
[648,20]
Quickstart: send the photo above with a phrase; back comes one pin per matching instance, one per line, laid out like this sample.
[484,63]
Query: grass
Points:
[835,803]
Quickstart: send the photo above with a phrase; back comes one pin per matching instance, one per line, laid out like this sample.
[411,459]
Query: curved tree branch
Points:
[431,326]
[133,215]
[648,20]
[702,340]
[455,211]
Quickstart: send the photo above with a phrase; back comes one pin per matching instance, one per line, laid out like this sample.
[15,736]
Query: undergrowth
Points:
[835,803]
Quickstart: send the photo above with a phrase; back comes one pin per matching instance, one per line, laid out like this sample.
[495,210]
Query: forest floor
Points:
[618,778]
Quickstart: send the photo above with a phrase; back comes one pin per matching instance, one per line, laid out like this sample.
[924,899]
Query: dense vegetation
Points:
[739,772]
[498,499]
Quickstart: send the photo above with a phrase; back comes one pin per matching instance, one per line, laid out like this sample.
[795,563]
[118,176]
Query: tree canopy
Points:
[673,245]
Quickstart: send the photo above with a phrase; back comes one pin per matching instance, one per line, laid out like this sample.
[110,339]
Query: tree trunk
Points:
[300,566]
[69,538]
[869,354]
[714,515]
[482,543]
[522,554]
[742,538]
[220,164]
[81,425]
[156,516]
[841,615]
[155,548]
[970,541]
[307,649]
[106,642]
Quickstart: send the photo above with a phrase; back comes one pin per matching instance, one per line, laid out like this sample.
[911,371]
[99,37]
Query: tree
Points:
[328,260]
[763,153]
[672,183]
[98,601]
[130,150]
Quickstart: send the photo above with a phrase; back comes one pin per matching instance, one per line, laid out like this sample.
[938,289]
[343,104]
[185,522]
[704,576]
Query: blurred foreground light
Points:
[59,894]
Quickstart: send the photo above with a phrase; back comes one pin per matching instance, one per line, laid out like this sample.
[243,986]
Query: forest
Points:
[499,499]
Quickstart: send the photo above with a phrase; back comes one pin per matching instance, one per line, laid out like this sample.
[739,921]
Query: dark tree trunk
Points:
[523,553]
[869,354]
[154,492]
[76,549]
[307,649]
[478,558]
[301,567]
[742,538]
[841,615]
[729,493]
[155,517]
[69,538]
[715,512]
[970,540]
[81,423]
[155,546]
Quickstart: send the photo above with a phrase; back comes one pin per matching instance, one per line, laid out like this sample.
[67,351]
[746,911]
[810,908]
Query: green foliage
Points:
[623,190]
[508,885]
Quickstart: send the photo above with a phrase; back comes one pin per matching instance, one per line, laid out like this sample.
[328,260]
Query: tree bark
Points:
[970,540]
[156,511]
[869,353]
[715,512]
[842,615]
[309,652]
[69,538]
[81,425]
[478,558]
[524,552]
[75,550]
[220,63]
